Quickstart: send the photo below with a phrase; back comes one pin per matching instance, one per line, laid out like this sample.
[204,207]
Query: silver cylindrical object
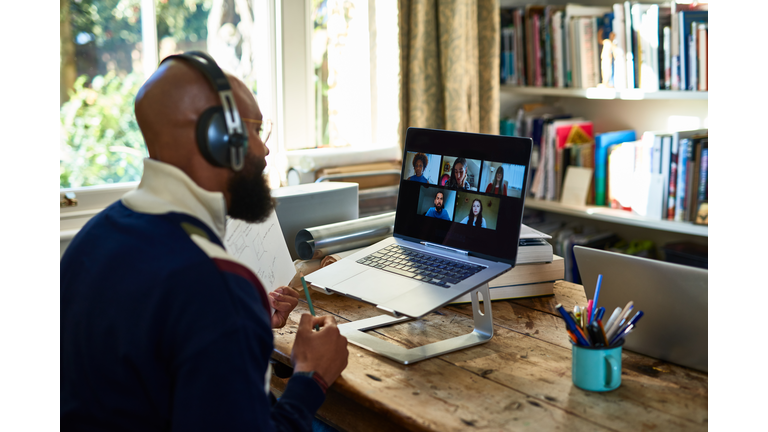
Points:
[317,242]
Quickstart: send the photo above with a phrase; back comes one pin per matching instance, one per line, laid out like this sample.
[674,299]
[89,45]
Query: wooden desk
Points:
[520,379]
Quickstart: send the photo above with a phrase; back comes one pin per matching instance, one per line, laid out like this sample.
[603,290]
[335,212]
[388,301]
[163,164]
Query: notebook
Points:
[450,235]
[673,299]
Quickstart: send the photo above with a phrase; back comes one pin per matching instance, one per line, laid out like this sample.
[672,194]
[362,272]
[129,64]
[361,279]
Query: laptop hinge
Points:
[445,248]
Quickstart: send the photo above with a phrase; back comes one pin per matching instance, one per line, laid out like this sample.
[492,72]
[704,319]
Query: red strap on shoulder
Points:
[247,274]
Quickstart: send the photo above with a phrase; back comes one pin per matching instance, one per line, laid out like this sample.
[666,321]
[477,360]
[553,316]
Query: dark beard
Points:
[250,198]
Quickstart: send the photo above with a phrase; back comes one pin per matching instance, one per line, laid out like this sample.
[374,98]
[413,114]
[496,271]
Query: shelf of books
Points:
[617,216]
[606,93]
[655,51]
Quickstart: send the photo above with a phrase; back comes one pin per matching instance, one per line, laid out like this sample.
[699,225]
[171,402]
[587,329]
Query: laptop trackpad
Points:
[376,286]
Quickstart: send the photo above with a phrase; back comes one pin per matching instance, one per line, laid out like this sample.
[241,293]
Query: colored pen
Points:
[620,320]
[602,330]
[594,302]
[633,321]
[623,334]
[573,337]
[600,313]
[614,316]
[570,325]
[309,299]
[596,336]
[589,311]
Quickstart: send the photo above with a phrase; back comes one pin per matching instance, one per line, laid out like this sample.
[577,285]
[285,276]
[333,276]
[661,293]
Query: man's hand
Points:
[324,351]
[283,300]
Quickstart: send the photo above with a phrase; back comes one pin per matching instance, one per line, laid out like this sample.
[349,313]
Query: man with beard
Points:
[161,329]
[438,211]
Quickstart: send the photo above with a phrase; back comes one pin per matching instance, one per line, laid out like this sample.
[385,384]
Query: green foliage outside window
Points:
[102,142]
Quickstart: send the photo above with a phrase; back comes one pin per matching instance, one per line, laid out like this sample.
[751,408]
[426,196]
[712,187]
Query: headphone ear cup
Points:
[212,137]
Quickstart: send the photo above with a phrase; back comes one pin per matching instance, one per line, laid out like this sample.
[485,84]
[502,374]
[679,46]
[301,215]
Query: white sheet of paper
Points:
[527,232]
[576,186]
[261,247]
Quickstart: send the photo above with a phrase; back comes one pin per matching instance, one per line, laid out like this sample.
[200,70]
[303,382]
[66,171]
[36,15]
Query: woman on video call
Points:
[420,162]
[458,178]
[475,215]
[497,186]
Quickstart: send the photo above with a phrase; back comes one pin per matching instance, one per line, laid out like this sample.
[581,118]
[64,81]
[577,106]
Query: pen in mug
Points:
[614,316]
[593,311]
[600,313]
[589,311]
[633,321]
[620,320]
[622,334]
[570,325]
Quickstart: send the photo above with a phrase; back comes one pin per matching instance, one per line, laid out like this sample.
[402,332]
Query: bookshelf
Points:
[605,93]
[605,214]
[614,110]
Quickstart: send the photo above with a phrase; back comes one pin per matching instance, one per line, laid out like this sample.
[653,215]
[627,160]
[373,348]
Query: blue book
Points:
[602,143]
[684,30]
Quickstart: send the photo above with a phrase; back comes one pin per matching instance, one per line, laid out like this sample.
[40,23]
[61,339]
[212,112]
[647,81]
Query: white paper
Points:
[527,232]
[576,186]
[262,248]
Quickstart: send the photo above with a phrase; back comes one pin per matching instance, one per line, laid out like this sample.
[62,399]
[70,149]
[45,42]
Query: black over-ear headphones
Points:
[220,135]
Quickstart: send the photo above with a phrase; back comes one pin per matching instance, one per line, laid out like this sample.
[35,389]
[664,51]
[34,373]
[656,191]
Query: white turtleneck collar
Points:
[165,189]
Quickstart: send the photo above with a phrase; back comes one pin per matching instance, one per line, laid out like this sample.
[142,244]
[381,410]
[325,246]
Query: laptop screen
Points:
[463,190]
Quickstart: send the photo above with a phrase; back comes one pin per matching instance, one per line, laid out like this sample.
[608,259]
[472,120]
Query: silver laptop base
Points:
[483,332]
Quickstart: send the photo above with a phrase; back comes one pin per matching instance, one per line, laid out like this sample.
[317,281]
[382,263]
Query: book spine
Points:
[530,61]
[557,49]
[693,72]
[619,48]
[703,171]
[672,180]
[682,179]
[520,53]
[702,32]
[534,43]
[667,59]
[692,179]
[511,54]
[548,79]
[629,38]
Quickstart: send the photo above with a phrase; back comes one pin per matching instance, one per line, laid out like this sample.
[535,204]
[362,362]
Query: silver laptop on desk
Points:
[450,235]
[673,298]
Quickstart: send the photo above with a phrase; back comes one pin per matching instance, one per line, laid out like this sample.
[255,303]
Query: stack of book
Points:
[535,273]
[559,141]
[624,46]
[662,176]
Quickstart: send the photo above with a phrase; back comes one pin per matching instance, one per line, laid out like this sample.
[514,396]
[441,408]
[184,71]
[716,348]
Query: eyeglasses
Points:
[264,131]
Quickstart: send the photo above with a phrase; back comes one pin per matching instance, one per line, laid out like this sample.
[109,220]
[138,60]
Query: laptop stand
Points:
[483,332]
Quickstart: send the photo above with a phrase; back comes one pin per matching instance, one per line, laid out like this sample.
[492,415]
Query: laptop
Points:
[452,233]
[673,298]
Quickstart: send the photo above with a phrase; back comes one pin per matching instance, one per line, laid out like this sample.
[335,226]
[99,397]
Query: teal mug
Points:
[597,369]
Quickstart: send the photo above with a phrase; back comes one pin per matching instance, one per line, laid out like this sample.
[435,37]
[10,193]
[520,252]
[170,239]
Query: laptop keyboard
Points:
[414,264]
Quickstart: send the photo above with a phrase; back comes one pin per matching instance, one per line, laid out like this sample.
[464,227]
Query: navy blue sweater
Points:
[158,336]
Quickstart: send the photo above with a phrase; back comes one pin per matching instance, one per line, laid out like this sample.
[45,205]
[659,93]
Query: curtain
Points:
[449,54]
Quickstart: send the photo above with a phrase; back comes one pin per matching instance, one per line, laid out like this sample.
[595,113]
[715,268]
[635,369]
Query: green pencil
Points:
[309,299]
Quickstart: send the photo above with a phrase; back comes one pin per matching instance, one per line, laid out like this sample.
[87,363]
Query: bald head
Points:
[168,106]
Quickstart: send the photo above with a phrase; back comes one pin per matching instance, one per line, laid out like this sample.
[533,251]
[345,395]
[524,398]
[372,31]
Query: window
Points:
[355,59]
[110,47]
[347,98]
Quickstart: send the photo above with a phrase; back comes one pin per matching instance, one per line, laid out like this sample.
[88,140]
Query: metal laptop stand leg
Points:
[483,332]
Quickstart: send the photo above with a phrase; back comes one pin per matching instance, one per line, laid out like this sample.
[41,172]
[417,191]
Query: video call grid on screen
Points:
[480,189]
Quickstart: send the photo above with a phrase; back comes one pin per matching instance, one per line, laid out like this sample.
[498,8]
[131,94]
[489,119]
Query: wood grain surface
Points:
[519,379]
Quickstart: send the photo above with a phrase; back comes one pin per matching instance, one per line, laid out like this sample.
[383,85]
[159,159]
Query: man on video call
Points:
[438,211]
[161,329]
